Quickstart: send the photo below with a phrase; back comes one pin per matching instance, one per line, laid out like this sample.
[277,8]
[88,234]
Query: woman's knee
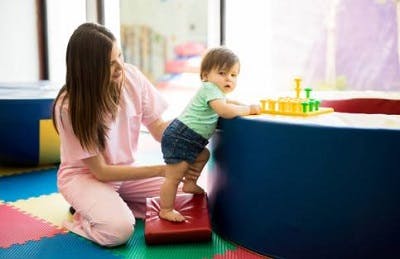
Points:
[116,232]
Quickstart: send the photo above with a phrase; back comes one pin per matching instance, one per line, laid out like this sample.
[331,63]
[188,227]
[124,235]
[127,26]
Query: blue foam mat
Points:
[61,246]
[27,185]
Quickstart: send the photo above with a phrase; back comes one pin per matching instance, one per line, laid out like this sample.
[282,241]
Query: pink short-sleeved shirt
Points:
[140,104]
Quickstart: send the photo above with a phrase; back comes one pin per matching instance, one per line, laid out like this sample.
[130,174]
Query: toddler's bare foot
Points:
[171,215]
[192,187]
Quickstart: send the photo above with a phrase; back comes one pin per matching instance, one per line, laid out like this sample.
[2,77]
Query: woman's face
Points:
[116,64]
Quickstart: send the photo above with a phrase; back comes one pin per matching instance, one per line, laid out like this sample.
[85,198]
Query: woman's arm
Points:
[229,110]
[105,173]
[157,128]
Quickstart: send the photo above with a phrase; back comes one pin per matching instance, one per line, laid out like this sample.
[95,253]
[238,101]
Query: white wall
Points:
[19,42]
[112,17]
[62,19]
[248,30]
[213,24]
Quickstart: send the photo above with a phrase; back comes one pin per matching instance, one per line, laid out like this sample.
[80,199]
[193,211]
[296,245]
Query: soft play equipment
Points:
[364,105]
[27,134]
[196,228]
[294,190]
[189,49]
[187,59]
[183,65]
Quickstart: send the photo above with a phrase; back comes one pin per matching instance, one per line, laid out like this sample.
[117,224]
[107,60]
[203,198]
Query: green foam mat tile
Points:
[136,248]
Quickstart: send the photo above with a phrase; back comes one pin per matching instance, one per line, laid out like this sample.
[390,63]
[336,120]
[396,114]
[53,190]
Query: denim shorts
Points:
[180,143]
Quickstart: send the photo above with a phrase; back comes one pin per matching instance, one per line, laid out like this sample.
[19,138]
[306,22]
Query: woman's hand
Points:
[192,174]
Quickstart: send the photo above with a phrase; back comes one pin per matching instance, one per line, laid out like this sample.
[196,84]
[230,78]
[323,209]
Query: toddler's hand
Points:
[255,109]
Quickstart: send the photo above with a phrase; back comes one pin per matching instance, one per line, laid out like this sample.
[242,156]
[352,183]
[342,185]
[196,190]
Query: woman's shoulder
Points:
[131,70]
[135,78]
[62,101]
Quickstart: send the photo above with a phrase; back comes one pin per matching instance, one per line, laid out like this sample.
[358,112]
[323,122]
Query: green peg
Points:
[311,105]
[304,106]
[316,106]
[308,92]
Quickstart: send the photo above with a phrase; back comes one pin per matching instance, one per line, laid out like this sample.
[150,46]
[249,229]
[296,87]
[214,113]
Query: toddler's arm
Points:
[230,110]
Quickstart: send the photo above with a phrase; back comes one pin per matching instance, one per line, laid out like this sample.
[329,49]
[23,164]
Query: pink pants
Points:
[105,212]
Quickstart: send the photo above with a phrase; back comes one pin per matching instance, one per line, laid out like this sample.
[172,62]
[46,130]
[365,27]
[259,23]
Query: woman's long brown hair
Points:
[92,99]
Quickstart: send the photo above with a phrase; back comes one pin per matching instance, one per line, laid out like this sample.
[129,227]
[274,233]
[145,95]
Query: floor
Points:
[32,212]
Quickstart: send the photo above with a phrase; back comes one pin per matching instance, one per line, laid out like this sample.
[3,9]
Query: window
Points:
[165,40]
[331,44]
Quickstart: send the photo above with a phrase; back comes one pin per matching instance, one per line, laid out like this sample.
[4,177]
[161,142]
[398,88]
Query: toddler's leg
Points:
[190,185]
[135,192]
[173,176]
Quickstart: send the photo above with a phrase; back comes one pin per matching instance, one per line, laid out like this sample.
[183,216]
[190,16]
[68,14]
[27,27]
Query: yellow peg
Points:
[271,105]
[264,105]
[297,80]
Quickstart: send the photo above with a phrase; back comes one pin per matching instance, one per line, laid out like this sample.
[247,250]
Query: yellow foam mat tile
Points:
[52,208]
[5,171]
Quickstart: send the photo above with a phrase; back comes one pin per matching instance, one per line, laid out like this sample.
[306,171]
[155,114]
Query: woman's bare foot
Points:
[192,187]
[171,215]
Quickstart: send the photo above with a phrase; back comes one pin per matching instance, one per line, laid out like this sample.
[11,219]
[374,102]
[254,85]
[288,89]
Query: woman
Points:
[98,114]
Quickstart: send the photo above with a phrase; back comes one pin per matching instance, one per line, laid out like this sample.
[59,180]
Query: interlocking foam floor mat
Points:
[31,216]
[26,185]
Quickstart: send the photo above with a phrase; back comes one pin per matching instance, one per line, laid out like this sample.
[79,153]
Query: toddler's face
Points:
[225,79]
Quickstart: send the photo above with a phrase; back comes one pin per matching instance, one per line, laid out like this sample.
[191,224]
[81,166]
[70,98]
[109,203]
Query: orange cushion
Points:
[196,228]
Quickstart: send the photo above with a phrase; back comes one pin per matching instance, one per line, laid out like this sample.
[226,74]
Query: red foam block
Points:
[196,228]
[364,105]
